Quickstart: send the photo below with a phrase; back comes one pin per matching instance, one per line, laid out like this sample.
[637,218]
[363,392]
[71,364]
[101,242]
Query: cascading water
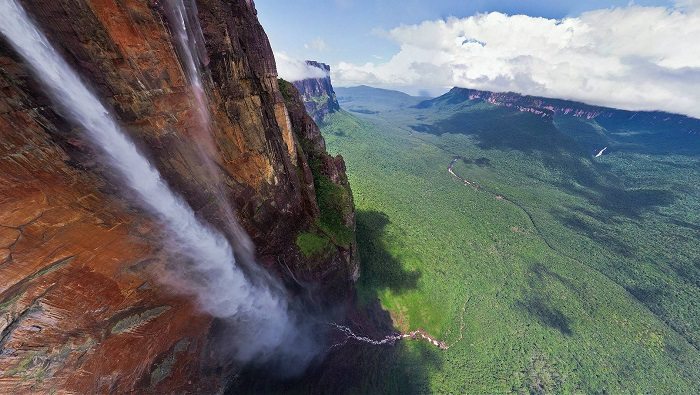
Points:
[189,40]
[386,340]
[184,23]
[260,312]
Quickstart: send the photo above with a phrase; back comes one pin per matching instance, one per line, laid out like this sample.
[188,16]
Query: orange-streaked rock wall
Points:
[80,307]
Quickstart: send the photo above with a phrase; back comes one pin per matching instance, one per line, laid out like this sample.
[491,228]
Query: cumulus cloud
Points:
[295,70]
[316,44]
[638,58]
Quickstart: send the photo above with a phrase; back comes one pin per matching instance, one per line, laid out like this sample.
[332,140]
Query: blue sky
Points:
[642,55]
[349,27]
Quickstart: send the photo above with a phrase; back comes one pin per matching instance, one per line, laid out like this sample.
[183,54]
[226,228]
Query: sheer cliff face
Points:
[327,175]
[79,307]
[317,93]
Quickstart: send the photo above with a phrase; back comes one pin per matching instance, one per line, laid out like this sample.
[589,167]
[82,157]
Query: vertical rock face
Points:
[80,307]
[317,93]
[326,174]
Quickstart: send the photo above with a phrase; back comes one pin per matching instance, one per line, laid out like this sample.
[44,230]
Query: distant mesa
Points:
[548,108]
[317,93]
[599,129]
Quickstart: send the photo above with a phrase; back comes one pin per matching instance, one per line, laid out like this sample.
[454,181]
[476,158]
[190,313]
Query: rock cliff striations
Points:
[80,307]
[317,93]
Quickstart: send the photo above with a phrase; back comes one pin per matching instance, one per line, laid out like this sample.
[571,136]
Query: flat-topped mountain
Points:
[548,107]
[317,93]
[594,126]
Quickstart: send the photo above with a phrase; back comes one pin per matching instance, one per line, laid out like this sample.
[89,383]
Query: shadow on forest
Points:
[365,369]
[541,272]
[379,268]
[538,304]
[481,162]
[359,368]
[356,368]
[505,129]
[576,221]
[546,314]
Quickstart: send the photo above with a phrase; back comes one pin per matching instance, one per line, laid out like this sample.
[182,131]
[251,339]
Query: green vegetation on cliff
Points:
[335,203]
[286,88]
[312,244]
[334,199]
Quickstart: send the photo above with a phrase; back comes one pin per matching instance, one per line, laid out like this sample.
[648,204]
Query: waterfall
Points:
[260,312]
[189,40]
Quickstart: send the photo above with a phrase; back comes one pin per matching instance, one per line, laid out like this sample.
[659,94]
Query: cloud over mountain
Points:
[637,58]
[294,69]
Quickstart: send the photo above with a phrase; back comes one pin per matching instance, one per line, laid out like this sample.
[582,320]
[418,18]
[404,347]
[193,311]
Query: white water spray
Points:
[262,311]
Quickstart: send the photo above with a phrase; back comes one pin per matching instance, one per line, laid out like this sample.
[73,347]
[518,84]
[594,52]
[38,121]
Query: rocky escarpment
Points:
[548,108]
[317,93]
[513,100]
[80,308]
[335,228]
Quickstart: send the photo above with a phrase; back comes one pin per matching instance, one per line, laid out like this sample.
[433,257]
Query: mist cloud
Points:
[637,58]
[317,44]
[292,69]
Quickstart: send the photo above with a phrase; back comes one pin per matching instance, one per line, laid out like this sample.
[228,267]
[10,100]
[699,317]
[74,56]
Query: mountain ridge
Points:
[554,106]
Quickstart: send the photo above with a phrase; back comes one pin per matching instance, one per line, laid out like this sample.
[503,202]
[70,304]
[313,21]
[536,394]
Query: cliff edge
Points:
[81,309]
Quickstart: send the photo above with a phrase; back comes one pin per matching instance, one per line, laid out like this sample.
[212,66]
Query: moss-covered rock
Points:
[331,236]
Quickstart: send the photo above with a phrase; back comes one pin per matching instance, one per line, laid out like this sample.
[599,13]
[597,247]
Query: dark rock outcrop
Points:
[317,93]
[80,309]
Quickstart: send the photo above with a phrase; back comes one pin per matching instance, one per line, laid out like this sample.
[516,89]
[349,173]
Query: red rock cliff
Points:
[79,308]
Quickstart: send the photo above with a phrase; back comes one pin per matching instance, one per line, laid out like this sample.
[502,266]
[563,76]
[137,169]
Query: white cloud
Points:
[316,44]
[295,70]
[643,58]
[688,4]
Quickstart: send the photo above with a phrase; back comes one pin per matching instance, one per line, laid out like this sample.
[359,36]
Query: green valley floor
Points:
[548,271]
